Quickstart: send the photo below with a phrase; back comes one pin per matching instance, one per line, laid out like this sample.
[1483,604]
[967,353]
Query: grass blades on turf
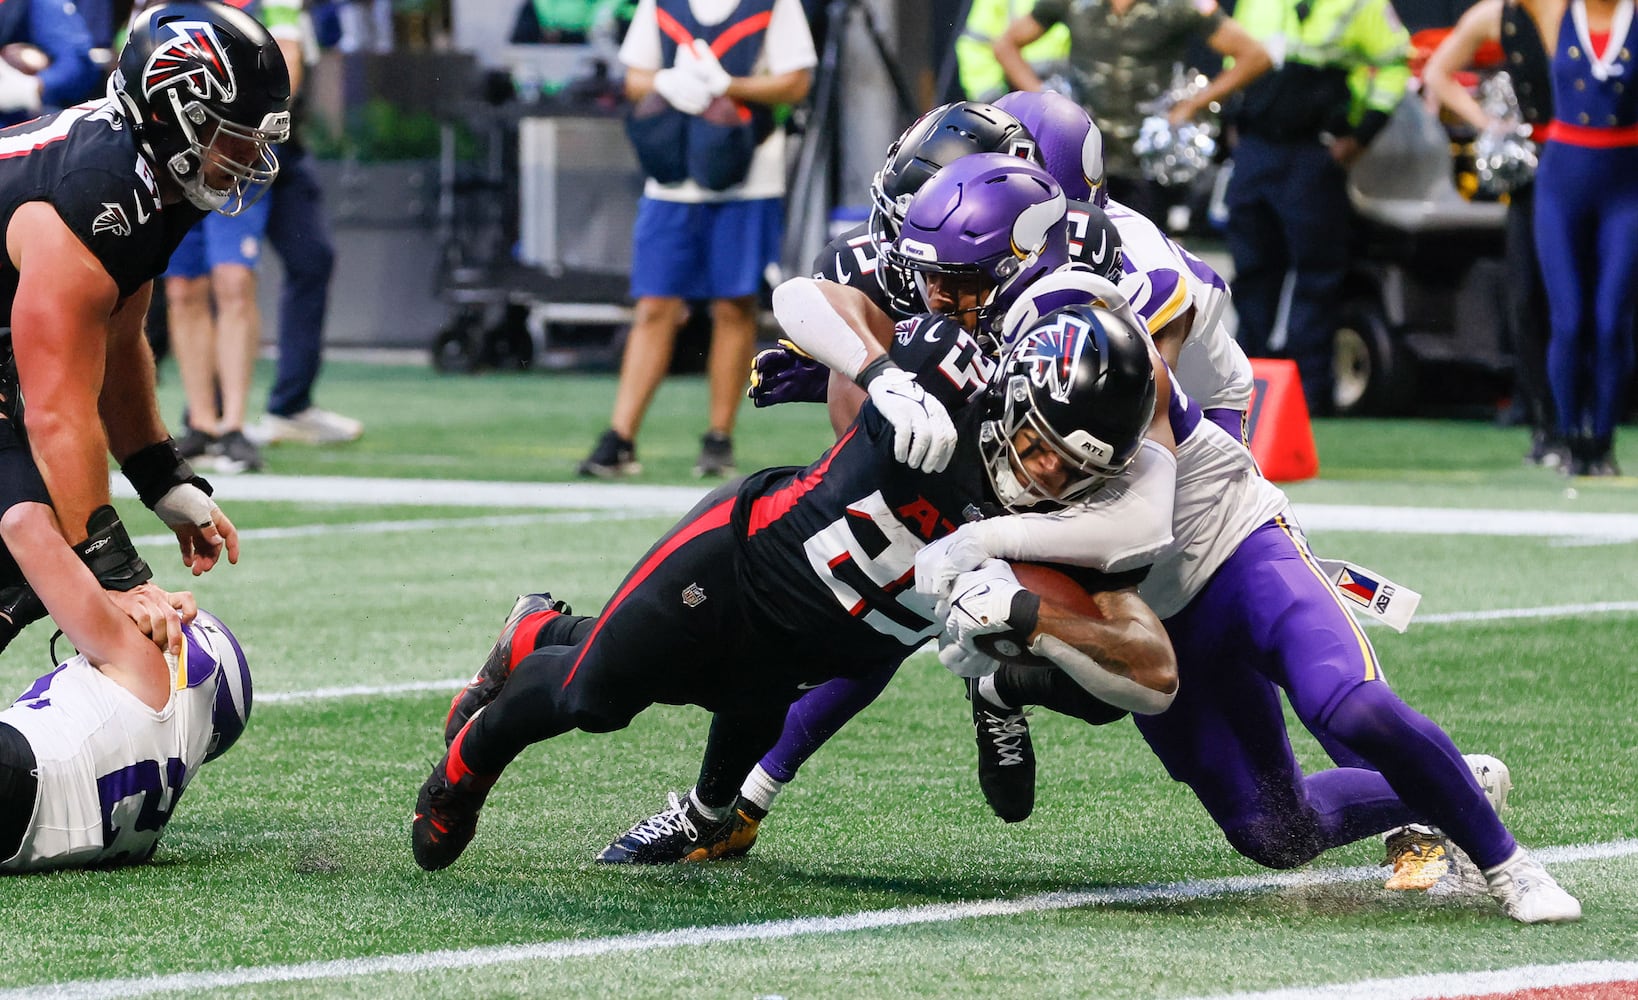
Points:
[294,847]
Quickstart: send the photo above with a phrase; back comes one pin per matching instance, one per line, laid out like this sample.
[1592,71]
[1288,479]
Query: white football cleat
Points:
[1492,776]
[1528,894]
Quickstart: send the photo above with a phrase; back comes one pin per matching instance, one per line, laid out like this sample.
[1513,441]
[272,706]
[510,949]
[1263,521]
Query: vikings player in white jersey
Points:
[1250,614]
[90,774]
[1180,298]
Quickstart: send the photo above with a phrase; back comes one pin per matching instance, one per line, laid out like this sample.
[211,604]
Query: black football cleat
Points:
[446,812]
[681,832]
[1006,757]
[486,684]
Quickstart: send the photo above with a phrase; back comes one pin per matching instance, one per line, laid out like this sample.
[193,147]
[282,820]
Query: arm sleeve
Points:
[60,32]
[641,47]
[789,43]
[1128,524]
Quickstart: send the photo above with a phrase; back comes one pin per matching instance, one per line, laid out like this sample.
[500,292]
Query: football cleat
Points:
[680,832]
[486,684]
[1528,894]
[1493,778]
[1464,877]
[446,812]
[1006,757]
[1424,859]
[1420,857]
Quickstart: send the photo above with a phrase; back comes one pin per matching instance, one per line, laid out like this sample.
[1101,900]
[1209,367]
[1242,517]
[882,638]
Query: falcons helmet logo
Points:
[1048,355]
[193,56]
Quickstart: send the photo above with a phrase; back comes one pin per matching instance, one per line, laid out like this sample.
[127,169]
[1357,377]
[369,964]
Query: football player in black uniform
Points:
[935,140]
[793,577]
[92,200]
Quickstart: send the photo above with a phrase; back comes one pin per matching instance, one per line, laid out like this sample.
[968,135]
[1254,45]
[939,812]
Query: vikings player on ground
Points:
[90,772]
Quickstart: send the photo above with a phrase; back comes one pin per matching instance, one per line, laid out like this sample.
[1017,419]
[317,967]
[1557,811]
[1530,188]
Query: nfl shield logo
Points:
[693,595]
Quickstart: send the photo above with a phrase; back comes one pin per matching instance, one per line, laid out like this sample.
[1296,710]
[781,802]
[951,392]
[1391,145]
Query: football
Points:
[24,57]
[1052,585]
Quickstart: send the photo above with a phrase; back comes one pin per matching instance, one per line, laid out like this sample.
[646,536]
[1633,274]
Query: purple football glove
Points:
[784,374]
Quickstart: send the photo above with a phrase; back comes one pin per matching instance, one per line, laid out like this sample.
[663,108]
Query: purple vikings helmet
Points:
[1069,143]
[933,141]
[233,693]
[987,215]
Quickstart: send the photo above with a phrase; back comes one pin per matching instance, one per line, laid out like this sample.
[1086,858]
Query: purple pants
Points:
[1269,621]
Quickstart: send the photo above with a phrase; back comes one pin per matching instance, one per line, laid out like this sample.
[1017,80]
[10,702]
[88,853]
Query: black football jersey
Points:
[850,259]
[85,162]
[830,549]
[1093,239]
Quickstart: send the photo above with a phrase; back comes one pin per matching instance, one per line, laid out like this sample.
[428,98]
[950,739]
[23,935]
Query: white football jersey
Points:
[111,769]
[1221,499]
[1162,280]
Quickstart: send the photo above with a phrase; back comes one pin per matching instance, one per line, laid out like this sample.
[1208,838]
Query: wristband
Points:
[157,469]
[108,552]
[871,370]
[1025,615]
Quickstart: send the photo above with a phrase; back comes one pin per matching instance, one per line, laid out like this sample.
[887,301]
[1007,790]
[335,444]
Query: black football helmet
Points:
[1082,378]
[204,85]
[935,140]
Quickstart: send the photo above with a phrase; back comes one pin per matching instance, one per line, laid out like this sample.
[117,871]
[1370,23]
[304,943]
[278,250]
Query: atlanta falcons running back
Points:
[89,775]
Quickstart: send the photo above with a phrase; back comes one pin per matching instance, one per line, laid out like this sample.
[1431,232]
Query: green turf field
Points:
[286,870]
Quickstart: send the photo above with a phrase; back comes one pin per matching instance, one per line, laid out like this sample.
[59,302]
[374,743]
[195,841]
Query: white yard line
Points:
[773,930]
[1583,527]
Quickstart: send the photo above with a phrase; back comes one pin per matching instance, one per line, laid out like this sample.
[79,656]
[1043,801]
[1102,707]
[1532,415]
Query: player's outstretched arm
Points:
[1122,656]
[841,328]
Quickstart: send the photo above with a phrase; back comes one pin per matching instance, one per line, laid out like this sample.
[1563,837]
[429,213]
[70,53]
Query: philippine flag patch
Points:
[1357,586]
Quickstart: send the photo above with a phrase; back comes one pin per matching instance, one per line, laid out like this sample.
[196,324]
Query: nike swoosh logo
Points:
[141,216]
[1103,246]
[809,685]
[842,274]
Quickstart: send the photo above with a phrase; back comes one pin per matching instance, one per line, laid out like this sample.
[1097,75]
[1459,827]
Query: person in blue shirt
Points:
[56,28]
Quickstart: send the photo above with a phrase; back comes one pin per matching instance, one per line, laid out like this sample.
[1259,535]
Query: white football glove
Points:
[981,603]
[939,563]
[186,506]
[18,90]
[699,60]
[923,436]
[964,662]
[682,90]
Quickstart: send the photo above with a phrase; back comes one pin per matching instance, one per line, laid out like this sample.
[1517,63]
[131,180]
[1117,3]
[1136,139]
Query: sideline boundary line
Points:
[773,930]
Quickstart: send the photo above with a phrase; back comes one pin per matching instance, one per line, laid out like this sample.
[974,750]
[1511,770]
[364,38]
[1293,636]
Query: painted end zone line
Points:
[691,937]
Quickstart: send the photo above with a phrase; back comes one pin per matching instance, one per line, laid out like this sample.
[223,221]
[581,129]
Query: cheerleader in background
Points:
[1587,219]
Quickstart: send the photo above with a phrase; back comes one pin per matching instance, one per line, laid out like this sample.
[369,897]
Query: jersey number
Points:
[159,787]
[868,560]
